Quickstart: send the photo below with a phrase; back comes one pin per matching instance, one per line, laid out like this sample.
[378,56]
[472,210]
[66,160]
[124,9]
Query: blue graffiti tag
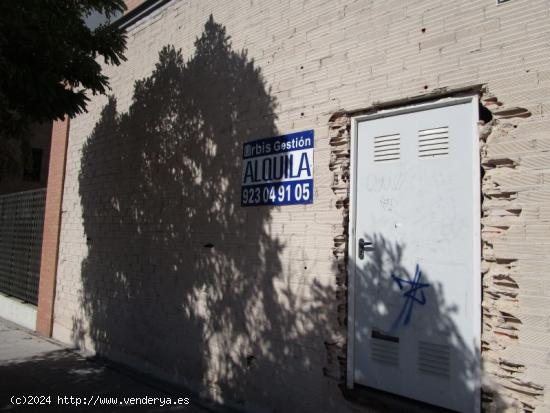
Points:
[410,296]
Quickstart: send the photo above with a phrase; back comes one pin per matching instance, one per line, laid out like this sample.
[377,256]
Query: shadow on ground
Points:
[42,375]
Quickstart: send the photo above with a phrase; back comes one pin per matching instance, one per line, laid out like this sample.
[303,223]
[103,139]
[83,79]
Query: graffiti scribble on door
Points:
[412,295]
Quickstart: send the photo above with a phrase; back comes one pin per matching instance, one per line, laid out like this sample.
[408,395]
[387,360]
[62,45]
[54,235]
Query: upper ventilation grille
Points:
[387,148]
[434,359]
[433,142]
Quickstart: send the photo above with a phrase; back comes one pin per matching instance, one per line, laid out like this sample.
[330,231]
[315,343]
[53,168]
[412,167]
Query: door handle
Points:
[364,246]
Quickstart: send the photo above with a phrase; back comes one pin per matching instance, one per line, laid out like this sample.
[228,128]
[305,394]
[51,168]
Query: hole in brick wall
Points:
[423,30]
[485,114]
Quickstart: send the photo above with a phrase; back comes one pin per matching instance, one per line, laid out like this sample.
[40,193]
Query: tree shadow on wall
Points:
[179,278]
[410,335]
[406,339]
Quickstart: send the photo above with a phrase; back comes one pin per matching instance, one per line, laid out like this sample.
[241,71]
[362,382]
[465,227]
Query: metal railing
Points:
[21,227]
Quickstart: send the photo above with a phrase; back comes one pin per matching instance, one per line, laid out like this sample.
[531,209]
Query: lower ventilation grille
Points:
[384,349]
[434,359]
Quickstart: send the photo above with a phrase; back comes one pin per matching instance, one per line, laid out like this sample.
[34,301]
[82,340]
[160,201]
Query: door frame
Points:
[472,98]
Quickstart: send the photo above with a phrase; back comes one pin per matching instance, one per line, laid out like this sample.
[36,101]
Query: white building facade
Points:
[416,272]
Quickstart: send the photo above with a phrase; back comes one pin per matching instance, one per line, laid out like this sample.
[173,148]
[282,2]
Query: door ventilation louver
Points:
[434,359]
[384,349]
[433,143]
[387,148]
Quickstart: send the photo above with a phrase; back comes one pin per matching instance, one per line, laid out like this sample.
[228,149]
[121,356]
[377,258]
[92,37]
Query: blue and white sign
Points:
[278,171]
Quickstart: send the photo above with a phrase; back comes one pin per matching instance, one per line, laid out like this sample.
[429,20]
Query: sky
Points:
[95,19]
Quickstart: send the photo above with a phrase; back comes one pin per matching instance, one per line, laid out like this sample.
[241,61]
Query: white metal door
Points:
[416,257]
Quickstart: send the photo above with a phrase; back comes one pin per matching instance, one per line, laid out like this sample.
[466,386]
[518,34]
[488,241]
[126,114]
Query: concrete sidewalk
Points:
[31,365]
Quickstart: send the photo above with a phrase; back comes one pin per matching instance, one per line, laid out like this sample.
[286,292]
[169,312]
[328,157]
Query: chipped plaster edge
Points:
[499,391]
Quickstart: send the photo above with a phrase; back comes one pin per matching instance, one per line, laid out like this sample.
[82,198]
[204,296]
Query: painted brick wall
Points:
[255,318]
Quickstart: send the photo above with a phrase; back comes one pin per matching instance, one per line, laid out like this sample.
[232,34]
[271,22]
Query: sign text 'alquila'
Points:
[278,171]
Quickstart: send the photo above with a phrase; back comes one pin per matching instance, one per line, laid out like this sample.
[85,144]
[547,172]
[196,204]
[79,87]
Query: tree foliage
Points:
[49,58]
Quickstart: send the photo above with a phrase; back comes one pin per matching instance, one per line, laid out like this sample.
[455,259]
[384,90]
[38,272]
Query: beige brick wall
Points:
[251,319]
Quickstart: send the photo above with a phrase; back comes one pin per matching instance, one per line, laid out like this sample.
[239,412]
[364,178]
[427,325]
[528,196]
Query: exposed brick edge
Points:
[505,385]
[502,384]
[52,224]
[339,141]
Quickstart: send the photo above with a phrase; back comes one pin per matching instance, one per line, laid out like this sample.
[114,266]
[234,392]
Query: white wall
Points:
[251,319]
